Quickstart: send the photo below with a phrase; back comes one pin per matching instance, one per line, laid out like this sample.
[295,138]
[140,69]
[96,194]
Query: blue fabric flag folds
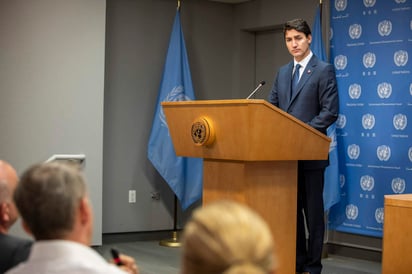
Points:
[331,191]
[184,175]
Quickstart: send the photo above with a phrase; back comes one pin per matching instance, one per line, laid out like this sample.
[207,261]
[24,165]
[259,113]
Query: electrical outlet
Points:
[155,195]
[132,196]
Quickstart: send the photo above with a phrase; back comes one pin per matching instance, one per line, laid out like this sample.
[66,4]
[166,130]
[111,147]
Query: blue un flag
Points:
[317,44]
[331,191]
[184,175]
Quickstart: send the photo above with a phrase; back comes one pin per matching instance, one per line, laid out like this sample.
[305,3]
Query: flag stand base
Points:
[173,242]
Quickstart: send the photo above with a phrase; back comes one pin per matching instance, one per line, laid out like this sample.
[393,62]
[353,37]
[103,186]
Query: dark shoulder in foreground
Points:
[13,251]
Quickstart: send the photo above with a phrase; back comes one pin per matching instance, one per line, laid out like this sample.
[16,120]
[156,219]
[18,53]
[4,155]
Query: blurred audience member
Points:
[227,237]
[13,250]
[55,208]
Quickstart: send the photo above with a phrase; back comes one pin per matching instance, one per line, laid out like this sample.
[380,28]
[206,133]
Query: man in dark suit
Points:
[13,250]
[306,88]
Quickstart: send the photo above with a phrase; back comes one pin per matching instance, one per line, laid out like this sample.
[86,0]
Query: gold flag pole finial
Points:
[320,11]
[178,4]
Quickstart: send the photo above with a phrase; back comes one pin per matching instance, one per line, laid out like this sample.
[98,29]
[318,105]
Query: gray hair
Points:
[47,197]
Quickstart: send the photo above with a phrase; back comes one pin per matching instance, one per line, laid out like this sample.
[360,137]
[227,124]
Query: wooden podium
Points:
[250,150]
[397,234]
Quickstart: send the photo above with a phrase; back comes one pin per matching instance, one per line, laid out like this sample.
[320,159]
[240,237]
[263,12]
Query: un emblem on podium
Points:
[203,133]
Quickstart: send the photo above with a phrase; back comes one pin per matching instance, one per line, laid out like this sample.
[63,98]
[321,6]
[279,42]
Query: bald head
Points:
[8,183]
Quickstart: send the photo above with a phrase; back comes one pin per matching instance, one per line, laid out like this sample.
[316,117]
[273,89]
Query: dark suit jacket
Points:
[13,251]
[315,101]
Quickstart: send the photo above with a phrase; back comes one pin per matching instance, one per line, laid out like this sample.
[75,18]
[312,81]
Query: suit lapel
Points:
[289,80]
[309,69]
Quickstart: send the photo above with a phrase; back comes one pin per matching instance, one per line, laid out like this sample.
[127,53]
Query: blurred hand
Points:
[128,264]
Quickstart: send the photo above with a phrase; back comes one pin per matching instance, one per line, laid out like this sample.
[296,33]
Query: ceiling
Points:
[231,1]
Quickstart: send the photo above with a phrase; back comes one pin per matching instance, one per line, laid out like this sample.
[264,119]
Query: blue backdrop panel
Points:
[371,42]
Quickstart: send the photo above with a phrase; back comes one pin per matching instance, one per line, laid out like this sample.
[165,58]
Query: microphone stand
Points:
[256,89]
[174,241]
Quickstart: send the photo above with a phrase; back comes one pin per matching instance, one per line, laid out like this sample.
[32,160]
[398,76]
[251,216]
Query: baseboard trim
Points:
[352,252]
[112,238]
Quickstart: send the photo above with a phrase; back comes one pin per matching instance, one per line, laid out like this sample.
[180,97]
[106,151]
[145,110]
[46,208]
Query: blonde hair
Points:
[227,237]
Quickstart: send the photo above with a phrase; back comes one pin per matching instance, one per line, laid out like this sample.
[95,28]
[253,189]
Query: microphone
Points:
[256,89]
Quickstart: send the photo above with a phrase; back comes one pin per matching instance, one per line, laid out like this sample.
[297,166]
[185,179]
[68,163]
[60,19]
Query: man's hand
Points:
[127,264]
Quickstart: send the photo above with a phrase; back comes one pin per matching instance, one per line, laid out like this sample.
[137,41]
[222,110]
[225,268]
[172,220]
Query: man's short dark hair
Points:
[299,25]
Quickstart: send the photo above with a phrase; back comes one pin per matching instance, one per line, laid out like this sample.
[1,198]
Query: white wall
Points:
[52,85]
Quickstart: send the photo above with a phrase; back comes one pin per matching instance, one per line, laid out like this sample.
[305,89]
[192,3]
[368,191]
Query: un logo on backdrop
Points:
[353,151]
[340,5]
[410,154]
[384,90]
[398,185]
[400,58]
[410,89]
[400,121]
[369,60]
[341,61]
[400,1]
[369,3]
[355,91]
[383,152]
[367,183]
[355,31]
[385,28]
[341,121]
[352,212]
[379,213]
[368,121]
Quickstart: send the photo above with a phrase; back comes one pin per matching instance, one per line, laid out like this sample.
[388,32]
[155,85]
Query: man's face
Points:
[9,213]
[13,180]
[298,44]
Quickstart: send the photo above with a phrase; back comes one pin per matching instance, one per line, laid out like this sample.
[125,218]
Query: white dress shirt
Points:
[64,257]
[303,64]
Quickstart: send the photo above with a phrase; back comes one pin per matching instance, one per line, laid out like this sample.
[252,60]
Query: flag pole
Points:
[320,12]
[174,241]
[325,251]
